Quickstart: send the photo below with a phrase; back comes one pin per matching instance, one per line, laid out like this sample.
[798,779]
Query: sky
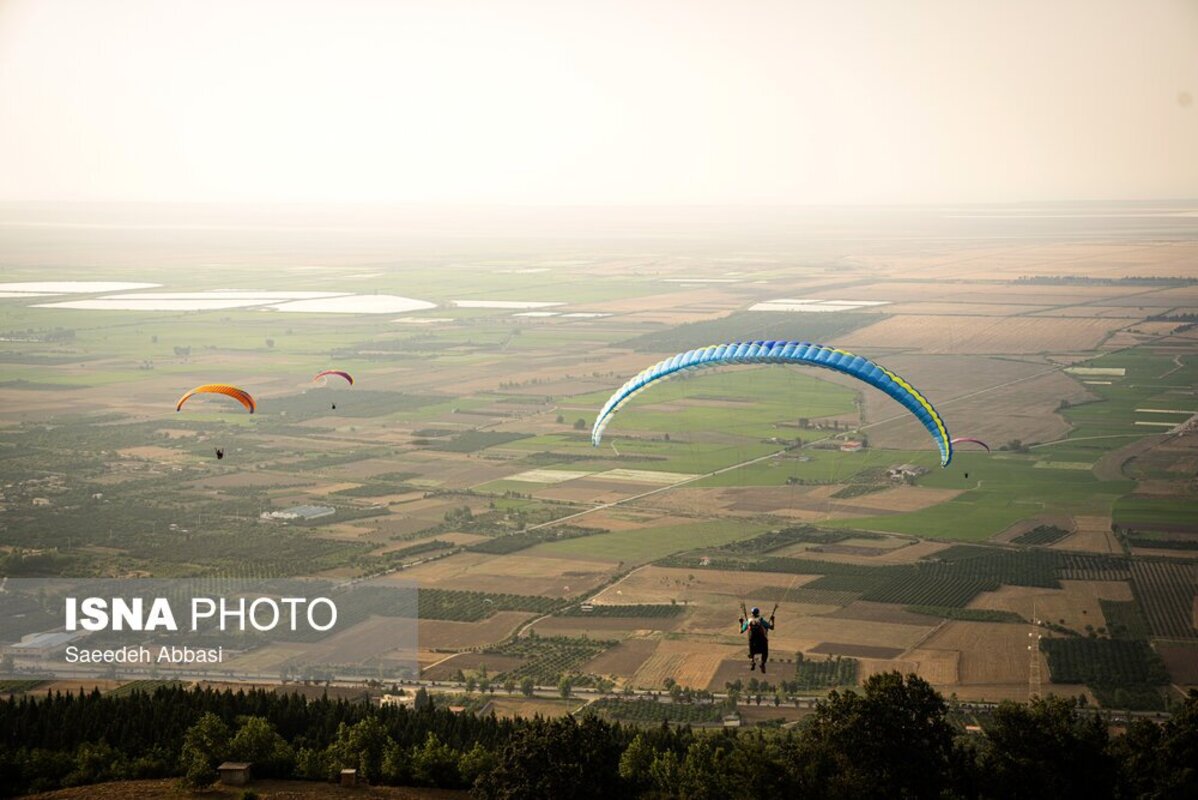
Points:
[607,102]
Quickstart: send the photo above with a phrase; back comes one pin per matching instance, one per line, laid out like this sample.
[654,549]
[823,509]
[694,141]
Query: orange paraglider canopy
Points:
[240,395]
[338,372]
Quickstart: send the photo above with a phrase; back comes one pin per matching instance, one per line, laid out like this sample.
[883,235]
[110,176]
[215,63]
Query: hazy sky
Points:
[607,101]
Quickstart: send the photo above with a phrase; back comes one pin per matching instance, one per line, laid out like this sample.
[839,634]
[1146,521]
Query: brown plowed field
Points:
[470,662]
[1182,662]
[981,335]
[511,574]
[663,584]
[1076,602]
[938,667]
[443,634]
[855,650]
[605,627]
[883,612]
[1093,534]
[624,659]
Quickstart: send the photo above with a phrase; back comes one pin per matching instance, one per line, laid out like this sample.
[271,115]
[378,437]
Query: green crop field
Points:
[649,544]
[1147,513]
[1000,491]
[733,401]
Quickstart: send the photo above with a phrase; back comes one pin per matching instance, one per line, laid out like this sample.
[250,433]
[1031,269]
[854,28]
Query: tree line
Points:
[891,738]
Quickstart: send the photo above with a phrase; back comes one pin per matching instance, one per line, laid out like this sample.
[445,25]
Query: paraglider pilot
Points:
[220,453]
[759,641]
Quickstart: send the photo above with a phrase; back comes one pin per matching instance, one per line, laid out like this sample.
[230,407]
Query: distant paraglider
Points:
[240,395]
[339,373]
[784,352]
[972,441]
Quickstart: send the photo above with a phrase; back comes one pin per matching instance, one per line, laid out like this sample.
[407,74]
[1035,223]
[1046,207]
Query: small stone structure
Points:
[235,773]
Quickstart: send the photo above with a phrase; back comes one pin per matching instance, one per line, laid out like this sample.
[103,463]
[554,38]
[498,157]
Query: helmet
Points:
[756,611]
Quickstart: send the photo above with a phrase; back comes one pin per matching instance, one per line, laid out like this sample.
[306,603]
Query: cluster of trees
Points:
[1109,663]
[549,659]
[466,606]
[892,739]
[511,542]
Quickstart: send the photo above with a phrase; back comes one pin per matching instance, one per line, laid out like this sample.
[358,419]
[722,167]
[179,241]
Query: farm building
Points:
[235,773]
[300,512]
[905,471]
[43,644]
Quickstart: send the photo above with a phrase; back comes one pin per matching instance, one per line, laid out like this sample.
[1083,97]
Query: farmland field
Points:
[461,456]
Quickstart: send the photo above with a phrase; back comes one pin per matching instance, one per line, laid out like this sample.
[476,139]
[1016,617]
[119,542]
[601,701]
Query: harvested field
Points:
[1026,410]
[587,491]
[653,584]
[1093,534]
[805,633]
[951,309]
[757,714]
[737,668]
[1181,660]
[721,615]
[627,520]
[939,667]
[908,552]
[850,550]
[275,480]
[1076,602]
[651,477]
[548,476]
[1114,313]
[511,574]
[855,650]
[688,663]
[624,659]
[800,503]
[153,452]
[882,612]
[981,335]
[271,658]
[446,635]
[991,653]
[527,708]
[605,627]
[368,639]
[896,500]
[468,663]
[803,600]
